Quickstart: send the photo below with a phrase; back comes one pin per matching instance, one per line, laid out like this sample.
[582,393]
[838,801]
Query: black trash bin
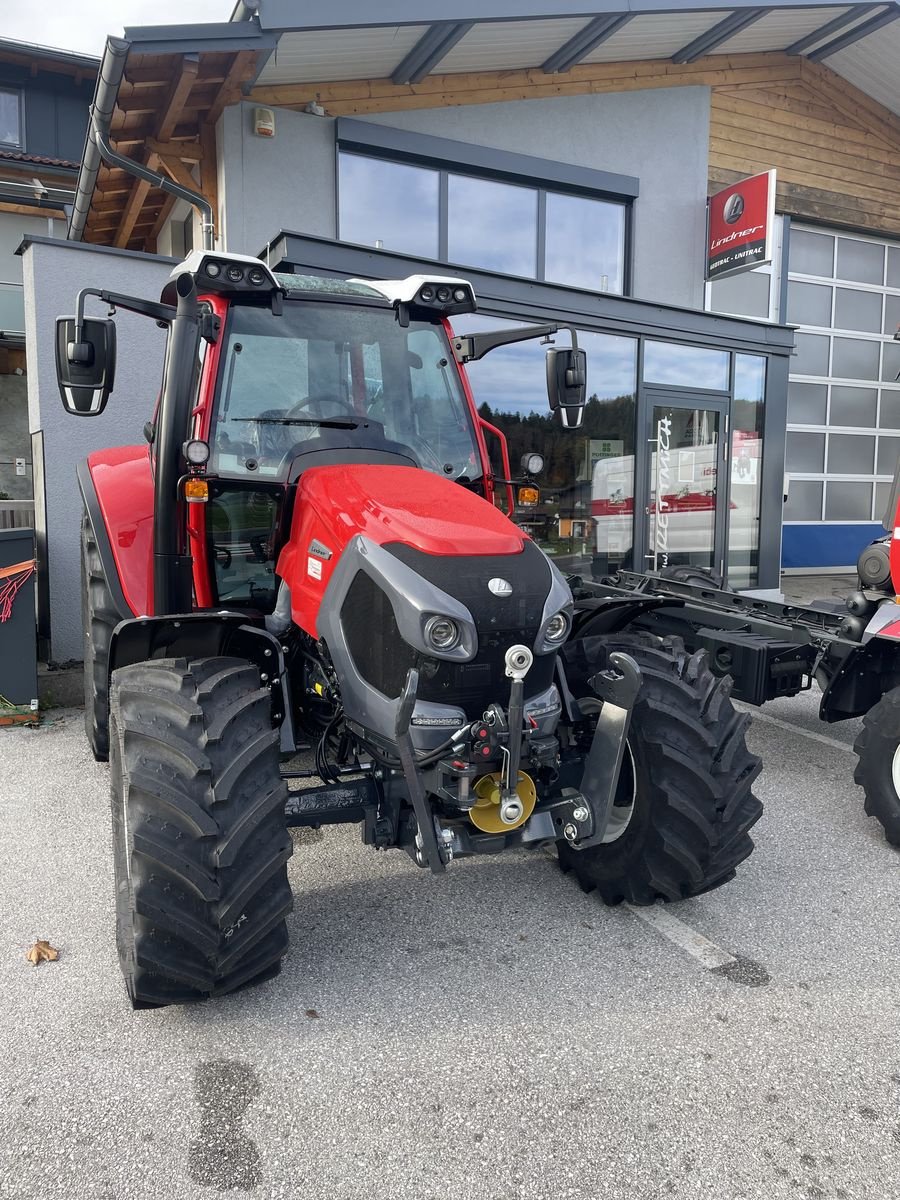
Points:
[18,640]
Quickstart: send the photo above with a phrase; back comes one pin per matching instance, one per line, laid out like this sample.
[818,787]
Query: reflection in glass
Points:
[389,205]
[845,501]
[492,225]
[685,366]
[811,253]
[804,502]
[745,295]
[684,474]
[585,517]
[585,244]
[742,552]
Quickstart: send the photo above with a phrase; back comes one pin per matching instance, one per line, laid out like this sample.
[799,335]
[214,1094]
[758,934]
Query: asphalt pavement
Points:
[494,1034]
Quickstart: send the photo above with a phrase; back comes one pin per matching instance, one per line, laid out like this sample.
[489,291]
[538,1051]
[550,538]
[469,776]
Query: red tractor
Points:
[306,555]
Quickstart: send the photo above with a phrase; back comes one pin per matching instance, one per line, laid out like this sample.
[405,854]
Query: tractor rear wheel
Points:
[200,841]
[99,618]
[684,806]
[878,769]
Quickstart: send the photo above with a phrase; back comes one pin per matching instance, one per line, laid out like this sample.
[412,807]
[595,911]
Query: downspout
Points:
[98,146]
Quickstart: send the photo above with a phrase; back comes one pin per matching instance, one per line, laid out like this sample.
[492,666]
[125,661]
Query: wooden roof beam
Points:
[241,71]
[176,100]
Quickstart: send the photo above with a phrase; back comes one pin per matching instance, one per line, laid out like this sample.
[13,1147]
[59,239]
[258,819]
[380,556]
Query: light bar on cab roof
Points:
[226,274]
[437,293]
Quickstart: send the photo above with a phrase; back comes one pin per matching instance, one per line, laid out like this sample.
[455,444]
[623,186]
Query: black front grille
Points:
[500,621]
[380,654]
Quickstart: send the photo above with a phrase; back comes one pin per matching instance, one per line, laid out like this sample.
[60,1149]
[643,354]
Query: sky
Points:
[83,25]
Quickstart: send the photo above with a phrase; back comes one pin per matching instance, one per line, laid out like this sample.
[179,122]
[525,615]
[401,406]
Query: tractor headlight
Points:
[441,633]
[557,628]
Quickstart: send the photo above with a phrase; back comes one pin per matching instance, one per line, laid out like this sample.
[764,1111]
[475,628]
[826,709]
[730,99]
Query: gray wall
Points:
[661,136]
[54,272]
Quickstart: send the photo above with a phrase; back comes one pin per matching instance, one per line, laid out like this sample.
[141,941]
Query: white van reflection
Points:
[682,508]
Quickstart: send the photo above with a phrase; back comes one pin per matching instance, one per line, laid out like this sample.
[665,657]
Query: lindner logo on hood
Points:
[734,208]
[500,587]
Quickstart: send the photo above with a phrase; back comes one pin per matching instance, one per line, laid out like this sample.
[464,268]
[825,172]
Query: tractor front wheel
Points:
[99,618]
[878,769]
[684,806]
[200,842]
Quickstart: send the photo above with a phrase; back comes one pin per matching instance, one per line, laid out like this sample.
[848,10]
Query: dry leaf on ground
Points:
[41,951]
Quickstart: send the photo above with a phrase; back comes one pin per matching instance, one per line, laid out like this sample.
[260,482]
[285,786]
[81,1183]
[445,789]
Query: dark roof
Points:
[39,159]
[49,55]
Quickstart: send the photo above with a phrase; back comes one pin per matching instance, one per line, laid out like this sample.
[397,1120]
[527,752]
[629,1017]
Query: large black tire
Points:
[99,618]
[685,804]
[199,834]
[877,747]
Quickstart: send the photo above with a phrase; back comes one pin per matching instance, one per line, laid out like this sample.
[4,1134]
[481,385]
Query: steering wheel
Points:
[313,403]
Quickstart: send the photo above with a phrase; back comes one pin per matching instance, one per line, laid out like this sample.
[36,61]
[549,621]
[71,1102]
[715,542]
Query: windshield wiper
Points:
[330,422]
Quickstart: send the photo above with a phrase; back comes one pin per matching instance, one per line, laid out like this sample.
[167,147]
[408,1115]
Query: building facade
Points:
[562,162]
[44,98]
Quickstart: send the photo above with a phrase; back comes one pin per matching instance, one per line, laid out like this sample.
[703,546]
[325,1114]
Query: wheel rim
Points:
[895,770]
[621,815]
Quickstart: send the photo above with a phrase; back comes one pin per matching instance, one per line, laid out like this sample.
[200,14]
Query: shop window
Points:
[392,206]
[807,403]
[492,225]
[853,406]
[893,267]
[811,253]
[585,517]
[809,304]
[685,366]
[855,309]
[10,118]
[846,501]
[805,452]
[854,359]
[804,502]
[811,355]
[585,243]
[850,454]
[861,262]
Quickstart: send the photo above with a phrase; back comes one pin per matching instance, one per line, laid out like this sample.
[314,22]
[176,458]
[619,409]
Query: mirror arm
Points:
[477,345]
[146,308]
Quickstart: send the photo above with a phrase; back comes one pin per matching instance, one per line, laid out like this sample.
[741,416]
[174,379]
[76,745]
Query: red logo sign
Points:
[741,220]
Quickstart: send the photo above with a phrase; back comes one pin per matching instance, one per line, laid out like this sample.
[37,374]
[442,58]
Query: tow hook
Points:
[615,691]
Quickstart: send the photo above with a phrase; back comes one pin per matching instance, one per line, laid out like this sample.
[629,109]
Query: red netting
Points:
[11,579]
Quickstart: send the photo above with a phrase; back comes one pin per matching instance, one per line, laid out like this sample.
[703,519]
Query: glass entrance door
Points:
[686,493]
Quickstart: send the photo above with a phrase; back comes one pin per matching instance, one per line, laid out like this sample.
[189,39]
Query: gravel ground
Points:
[489,1035]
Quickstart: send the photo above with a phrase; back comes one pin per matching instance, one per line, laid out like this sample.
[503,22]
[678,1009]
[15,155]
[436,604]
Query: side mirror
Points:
[85,368]
[567,385]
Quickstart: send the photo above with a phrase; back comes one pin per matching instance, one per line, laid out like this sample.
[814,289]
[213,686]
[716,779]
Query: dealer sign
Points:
[740,226]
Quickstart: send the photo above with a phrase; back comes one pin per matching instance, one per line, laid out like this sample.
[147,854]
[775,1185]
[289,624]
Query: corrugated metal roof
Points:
[778,30]
[872,65]
[509,45]
[658,36]
[348,54]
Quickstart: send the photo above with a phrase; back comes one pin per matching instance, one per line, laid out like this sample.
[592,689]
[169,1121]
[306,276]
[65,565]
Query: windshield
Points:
[338,375]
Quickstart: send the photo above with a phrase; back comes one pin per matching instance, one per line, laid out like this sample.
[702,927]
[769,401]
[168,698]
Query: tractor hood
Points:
[403,504]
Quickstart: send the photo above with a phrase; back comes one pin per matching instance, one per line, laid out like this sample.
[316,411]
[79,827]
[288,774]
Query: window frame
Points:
[20,108]
[449,157]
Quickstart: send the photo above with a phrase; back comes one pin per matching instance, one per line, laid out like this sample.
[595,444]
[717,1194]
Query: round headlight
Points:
[532,464]
[213,270]
[426,295]
[557,627]
[234,273]
[460,295]
[444,294]
[441,633]
[196,452]
[256,276]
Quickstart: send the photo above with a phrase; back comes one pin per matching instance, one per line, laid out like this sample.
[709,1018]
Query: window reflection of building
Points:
[535,232]
[509,387]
